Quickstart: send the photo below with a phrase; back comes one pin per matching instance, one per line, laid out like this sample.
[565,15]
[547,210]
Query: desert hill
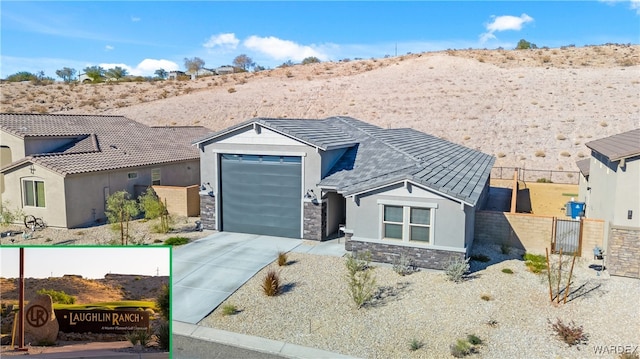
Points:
[529,108]
[114,287]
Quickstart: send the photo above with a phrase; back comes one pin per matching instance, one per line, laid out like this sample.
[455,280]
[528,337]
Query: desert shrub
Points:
[561,137]
[456,269]
[504,249]
[480,258]
[176,241]
[415,344]
[486,297]
[143,337]
[507,270]
[628,355]
[474,340]
[536,263]
[58,296]
[231,90]
[282,259]
[132,337]
[543,180]
[163,302]
[271,283]
[460,349]
[151,205]
[603,124]
[7,216]
[540,153]
[403,265]
[360,280]
[229,309]
[163,334]
[565,154]
[492,323]
[569,333]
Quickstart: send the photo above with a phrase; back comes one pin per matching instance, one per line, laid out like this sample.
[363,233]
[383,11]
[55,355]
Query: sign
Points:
[102,321]
[37,316]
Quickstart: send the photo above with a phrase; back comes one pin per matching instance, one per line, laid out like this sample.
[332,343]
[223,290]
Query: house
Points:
[390,191]
[225,70]
[175,75]
[200,72]
[610,188]
[62,168]
[84,78]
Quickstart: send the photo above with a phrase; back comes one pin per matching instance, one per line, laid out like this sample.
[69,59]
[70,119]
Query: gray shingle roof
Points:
[98,143]
[385,156]
[317,133]
[617,147]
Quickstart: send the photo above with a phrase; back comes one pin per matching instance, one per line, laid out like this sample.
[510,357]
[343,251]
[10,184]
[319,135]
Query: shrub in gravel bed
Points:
[176,241]
[282,259]
[537,263]
[456,269]
[271,283]
[486,297]
[507,270]
[460,349]
[415,344]
[571,333]
[360,280]
[229,309]
[403,265]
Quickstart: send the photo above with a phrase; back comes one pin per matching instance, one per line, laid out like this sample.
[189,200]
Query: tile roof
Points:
[617,147]
[385,156]
[317,133]
[98,143]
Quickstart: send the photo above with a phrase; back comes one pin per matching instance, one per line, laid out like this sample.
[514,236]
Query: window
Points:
[155,177]
[407,223]
[132,175]
[33,193]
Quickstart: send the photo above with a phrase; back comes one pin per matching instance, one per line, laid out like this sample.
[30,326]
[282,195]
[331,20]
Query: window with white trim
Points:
[407,223]
[33,193]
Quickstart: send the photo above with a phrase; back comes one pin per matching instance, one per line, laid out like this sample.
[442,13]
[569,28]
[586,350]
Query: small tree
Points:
[243,62]
[194,64]
[116,73]
[360,279]
[121,209]
[66,74]
[95,73]
[310,60]
[151,205]
[161,73]
[524,45]
[163,302]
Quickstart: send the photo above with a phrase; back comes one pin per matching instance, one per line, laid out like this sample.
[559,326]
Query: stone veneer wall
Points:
[315,220]
[623,252]
[388,253]
[208,212]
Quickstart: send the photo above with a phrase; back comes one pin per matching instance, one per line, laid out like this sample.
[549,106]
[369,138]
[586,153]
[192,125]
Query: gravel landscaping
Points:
[510,313]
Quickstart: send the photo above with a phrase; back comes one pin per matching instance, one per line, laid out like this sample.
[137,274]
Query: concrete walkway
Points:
[209,270]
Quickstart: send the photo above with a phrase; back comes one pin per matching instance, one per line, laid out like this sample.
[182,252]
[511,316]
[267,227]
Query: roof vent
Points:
[113,146]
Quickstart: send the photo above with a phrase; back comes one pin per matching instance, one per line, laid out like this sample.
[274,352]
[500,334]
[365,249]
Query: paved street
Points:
[191,348]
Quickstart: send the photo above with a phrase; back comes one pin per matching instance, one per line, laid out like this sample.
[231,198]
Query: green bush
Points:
[460,349]
[176,241]
[415,344]
[403,265]
[7,216]
[163,302]
[536,263]
[480,258]
[229,309]
[58,296]
[164,336]
[360,280]
[507,270]
[151,205]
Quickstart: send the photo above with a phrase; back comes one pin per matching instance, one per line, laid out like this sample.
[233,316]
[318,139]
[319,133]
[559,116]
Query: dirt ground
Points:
[545,199]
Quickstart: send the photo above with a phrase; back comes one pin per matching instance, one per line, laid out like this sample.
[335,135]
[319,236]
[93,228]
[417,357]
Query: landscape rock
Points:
[40,325]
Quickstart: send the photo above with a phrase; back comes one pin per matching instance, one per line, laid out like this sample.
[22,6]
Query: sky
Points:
[89,262]
[145,36]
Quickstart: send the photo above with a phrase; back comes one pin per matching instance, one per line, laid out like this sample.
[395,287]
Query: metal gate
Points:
[567,235]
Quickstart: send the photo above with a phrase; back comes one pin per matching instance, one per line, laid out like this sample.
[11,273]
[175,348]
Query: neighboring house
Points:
[610,188]
[174,75]
[391,191]
[63,167]
[225,70]
[610,179]
[201,72]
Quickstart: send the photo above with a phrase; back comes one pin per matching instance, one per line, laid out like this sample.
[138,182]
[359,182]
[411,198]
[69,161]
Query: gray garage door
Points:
[261,194]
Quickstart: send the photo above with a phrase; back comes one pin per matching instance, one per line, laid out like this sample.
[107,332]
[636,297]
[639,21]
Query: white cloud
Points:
[146,67]
[282,49]
[135,19]
[504,23]
[109,48]
[222,41]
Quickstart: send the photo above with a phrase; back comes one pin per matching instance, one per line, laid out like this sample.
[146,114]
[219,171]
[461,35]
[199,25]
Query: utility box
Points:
[575,210]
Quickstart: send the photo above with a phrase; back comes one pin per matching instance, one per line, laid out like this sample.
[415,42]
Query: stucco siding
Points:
[54,211]
[602,199]
[329,159]
[627,184]
[364,215]
[16,145]
[335,212]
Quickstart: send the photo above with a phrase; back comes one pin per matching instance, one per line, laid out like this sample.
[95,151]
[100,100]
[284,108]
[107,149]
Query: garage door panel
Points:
[261,194]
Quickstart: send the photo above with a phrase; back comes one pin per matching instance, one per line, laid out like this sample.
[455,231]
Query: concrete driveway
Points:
[209,270]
